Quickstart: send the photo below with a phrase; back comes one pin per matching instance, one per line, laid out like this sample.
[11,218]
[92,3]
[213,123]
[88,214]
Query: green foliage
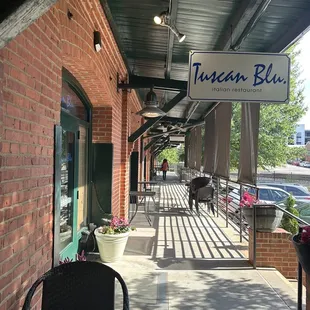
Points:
[288,223]
[181,153]
[296,152]
[277,123]
[171,154]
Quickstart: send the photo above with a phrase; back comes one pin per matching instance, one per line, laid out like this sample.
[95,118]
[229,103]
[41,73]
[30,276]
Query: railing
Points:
[227,197]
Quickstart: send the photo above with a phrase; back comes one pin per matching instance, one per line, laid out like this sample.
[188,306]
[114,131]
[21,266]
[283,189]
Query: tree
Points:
[171,154]
[296,152]
[277,122]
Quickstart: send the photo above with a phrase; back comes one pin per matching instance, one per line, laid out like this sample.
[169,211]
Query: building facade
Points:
[61,119]
[307,136]
[299,137]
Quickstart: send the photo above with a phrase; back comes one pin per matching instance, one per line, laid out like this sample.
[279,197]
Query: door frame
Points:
[77,88]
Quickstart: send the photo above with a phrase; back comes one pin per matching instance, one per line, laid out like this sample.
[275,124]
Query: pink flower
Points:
[305,235]
[247,200]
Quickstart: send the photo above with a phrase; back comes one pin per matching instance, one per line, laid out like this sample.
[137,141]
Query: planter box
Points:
[111,247]
[303,254]
[268,219]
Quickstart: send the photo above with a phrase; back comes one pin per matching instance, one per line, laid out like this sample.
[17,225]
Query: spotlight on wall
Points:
[161,19]
[97,41]
[151,109]
[164,19]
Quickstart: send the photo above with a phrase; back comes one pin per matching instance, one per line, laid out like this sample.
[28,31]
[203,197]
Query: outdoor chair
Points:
[78,286]
[201,190]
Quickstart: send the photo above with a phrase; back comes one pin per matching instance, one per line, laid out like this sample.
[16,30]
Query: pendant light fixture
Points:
[151,108]
[164,19]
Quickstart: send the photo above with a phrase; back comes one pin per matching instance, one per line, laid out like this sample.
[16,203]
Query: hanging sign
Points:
[232,76]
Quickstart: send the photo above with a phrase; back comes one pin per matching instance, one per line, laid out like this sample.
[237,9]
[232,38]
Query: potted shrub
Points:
[112,239]
[288,223]
[301,242]
[268,218]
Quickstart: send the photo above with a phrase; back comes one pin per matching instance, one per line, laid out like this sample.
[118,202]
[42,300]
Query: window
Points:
[71,103]
[295,191]
[264,194]
[279,195]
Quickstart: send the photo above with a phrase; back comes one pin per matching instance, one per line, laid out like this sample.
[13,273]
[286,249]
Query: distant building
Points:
[299,137]
[307,136]
[308,151]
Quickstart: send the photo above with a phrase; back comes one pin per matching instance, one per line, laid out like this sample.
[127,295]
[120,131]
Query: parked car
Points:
[303,208]
[265,193]
[296,162]
[306,164]
[298,191]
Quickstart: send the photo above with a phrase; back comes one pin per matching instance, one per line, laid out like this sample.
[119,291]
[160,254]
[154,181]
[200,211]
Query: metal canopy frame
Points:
[151,122]
[136,82]
[240,24]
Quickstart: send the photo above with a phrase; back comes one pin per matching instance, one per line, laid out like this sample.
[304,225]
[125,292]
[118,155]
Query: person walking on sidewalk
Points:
[164,168]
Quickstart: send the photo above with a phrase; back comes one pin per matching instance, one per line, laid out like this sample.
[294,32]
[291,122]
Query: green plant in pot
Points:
[301,243]
[268,217]
[112,239]
[288,223]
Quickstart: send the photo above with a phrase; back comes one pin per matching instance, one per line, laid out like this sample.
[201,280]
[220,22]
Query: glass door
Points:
[68,239]
[82,178]
[71,194]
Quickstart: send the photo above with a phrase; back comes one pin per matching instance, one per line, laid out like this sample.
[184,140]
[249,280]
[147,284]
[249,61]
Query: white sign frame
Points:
[275,90]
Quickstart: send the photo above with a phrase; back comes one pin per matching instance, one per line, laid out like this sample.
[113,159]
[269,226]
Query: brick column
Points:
[275,250]
[102,125]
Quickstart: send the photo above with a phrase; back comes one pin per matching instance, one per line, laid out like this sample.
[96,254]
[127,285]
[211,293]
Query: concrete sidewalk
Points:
[187,260]
[203,285]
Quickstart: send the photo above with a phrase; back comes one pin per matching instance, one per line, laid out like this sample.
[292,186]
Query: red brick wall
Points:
[31,96]
[275,250]
[30,92]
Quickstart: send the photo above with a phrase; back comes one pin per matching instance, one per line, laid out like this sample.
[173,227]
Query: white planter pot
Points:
[111,247]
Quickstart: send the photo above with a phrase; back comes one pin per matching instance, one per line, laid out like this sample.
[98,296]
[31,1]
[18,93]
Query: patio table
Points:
[146,208]
[152,185]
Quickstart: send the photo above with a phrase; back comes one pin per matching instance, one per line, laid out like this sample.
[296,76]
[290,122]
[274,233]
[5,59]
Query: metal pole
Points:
[299,298]
[254,236]
[217,197]
[299,288]
[240,219]
[226,203]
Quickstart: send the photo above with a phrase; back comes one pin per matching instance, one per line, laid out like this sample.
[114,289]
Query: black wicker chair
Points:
[201,190]
[78,286]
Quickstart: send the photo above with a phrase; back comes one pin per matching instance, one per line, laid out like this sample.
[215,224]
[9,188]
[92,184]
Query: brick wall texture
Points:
[30,92]
[276,250]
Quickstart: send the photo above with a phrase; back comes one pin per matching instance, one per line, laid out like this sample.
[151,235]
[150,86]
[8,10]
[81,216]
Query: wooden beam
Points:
[151,122]
[21,18]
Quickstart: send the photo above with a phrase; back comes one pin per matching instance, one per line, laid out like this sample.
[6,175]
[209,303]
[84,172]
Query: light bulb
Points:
[157,20]
[181,37]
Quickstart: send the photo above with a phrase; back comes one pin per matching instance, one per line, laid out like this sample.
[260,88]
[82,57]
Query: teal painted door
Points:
[68,232]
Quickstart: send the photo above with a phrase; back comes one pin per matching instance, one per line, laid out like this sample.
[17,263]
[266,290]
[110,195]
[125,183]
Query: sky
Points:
[304,61]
